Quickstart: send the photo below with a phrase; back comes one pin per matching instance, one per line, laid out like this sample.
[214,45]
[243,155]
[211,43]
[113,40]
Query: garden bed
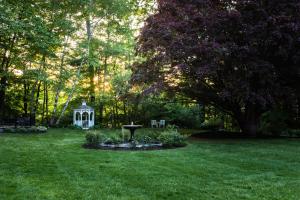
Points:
[137,148]
[23,129]
[144,140]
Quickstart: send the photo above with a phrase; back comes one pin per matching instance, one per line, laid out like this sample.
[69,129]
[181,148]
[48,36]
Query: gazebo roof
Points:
[84,107]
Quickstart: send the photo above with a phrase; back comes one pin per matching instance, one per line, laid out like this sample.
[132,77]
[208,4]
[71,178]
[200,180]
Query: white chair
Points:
[154,124]
[162,123]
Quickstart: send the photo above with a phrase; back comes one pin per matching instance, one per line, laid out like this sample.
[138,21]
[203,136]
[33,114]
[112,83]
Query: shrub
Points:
[147,137]
[154,134]
[292,133]
[172,139]
[172,127]
[97,126]
[10,130]
[74,127]
[112,139]
[41,129]
[31,129]
[213,124]
[59,126]
[22,130]
[93,139]
[274,122]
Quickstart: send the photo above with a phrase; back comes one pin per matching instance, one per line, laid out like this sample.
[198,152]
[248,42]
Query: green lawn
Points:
[55,166]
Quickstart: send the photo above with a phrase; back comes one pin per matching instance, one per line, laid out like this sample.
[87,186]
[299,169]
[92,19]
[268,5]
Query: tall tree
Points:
[241,56]
[30,31]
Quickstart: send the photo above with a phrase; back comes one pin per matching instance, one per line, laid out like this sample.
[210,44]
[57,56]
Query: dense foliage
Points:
[29,130]
[199,61]
[169,137]
[241,56]
[54,54]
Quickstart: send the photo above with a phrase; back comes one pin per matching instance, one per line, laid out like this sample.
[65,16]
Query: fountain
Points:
[131,144]
[132,129]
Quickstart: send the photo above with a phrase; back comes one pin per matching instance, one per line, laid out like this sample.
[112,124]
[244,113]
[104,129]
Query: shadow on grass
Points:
[217,135]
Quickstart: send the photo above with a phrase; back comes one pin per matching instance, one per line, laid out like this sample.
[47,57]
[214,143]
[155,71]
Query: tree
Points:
[53,54]
[241,56]
[29,35]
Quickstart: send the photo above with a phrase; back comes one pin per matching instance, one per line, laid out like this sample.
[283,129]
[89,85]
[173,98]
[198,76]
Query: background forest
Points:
[56,54]
[221,78]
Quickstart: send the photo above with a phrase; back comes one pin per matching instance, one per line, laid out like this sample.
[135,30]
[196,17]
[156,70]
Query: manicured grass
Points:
[55,166]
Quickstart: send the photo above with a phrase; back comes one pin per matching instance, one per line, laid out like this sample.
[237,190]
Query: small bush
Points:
[75,127]
[98,126]
[10,130]
[59,126]
[112,139]
[93,139]
[274,122]
[154,134]
[172,139]
[172,127]
[41,129]
[292,133]
[31,129]
[212,124]
[145,139]
[21,130]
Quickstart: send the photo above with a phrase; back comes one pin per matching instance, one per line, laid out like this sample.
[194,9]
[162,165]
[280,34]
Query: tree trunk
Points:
[3,83]
[101,108]
[2,96]
[47,107]
[201,111]
[249,120]
[249,128]
[125,111]
[86,55]
[70,94]
[6,58]
[116,113]
[91,68]
[59,86]
[44,102]
[32,93]
[36,104]
[25,100]
[52,120]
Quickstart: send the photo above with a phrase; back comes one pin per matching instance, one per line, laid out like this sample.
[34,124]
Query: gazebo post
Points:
[89,123]
[74,117]
[81,118]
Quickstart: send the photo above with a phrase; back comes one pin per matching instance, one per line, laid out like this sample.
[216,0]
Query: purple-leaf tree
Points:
[241,56]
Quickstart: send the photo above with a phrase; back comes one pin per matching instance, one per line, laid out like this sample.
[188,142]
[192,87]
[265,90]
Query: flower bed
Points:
[144,140]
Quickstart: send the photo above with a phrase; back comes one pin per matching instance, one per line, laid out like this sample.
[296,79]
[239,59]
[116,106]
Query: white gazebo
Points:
[84,116]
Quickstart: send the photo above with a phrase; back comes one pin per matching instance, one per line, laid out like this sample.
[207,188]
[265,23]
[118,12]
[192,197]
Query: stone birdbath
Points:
[132,127]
